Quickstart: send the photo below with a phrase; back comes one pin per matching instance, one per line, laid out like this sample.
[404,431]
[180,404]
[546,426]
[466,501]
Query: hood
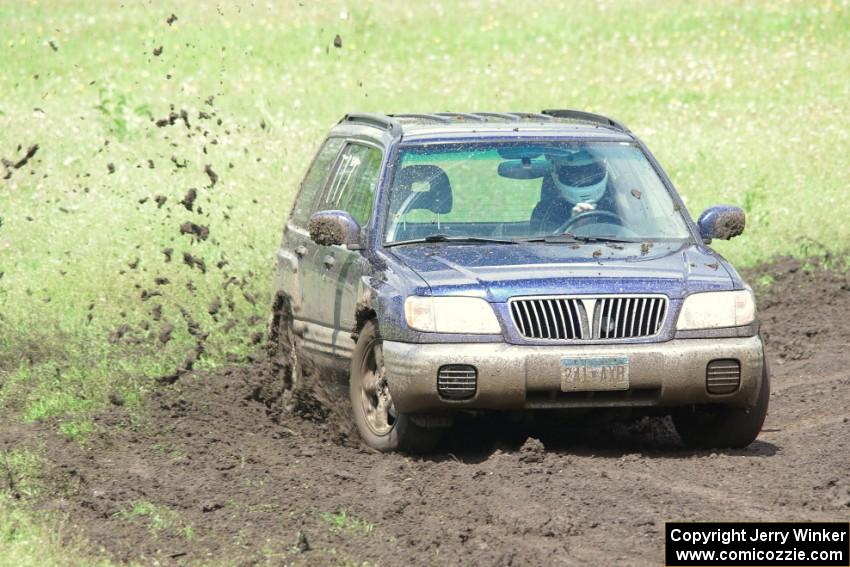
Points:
[497,272]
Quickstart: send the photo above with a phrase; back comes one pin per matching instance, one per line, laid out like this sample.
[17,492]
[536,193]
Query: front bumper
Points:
[670,373]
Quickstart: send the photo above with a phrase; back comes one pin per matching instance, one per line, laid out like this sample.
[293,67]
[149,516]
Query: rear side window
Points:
[353,186]
[314,181]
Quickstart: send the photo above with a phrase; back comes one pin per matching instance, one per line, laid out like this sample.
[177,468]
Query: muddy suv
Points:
[513,261]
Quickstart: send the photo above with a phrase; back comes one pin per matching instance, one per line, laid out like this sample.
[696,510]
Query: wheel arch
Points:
[364,311]
[281,310]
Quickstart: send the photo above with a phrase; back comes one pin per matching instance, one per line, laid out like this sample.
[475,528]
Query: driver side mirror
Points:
[721,221]
[328,228]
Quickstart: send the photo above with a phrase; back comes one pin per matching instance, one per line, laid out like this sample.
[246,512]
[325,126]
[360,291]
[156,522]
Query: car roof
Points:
[467,125]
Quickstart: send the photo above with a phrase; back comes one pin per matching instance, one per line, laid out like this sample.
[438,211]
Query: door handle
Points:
[329,261]
[301,251]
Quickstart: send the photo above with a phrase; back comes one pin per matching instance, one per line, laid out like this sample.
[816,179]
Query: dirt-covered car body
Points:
[566,312]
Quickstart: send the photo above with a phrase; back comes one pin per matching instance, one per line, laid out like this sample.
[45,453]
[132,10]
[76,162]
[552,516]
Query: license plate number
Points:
[594,374]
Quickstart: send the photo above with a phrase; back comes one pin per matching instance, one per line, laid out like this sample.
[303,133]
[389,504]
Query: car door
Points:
[352,189]
[296,251]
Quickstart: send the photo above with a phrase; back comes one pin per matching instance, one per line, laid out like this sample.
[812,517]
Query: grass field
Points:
[742,102]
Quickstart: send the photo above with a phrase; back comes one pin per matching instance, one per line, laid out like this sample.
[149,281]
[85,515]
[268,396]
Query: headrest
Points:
[431,185]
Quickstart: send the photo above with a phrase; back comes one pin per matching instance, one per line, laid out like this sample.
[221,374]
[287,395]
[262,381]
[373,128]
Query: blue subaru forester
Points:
[513,261]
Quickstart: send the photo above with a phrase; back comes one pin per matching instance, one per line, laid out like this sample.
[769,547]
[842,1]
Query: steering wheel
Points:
[588,215]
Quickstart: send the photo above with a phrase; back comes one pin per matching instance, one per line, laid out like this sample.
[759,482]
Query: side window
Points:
[353,186]
[314,181]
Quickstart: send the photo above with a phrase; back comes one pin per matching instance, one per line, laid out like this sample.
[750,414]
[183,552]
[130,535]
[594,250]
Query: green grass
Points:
[36,539]
[743,102]
[156,519]
[343,522]
[29,537]
[19,470]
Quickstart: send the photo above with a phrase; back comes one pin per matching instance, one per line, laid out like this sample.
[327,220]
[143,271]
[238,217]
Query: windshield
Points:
[529,191]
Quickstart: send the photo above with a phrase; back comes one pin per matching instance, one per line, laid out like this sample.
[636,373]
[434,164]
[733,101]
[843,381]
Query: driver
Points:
[576,183]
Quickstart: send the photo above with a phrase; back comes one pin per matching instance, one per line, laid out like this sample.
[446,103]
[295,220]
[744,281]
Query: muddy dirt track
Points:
[244,484]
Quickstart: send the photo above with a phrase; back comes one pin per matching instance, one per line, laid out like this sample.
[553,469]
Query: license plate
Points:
[594,373]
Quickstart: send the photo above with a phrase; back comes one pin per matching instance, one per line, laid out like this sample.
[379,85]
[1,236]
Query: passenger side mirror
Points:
[721,221]
[328,228]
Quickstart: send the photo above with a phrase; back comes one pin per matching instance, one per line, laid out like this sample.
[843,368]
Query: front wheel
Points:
[380,425]
[706,427]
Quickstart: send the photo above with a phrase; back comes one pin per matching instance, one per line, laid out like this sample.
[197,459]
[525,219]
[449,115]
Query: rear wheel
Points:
[380,425]
[707,427]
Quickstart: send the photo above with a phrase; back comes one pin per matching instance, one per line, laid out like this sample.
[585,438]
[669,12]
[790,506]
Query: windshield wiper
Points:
[447,238]
[570,238]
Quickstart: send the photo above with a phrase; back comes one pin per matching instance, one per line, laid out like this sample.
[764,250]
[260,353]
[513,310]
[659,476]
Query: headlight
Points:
[469,315]
[717,309]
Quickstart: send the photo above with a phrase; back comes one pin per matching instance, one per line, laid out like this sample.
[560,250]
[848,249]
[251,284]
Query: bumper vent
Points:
[457,381]
[589,318]
[722,376]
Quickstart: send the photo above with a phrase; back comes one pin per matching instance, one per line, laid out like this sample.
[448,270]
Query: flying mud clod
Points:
[118,333]
[31,151]
[198,231]
[193,326]
[194,262]
[211,174]
[189,199]
[149,293]
[214,307]
[165,333]
[186,366]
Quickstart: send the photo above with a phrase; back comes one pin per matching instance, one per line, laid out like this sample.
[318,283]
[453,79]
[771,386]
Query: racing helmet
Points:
[580,176]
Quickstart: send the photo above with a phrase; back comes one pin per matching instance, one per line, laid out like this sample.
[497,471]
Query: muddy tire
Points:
[707,427]
[378,423]
[283,343]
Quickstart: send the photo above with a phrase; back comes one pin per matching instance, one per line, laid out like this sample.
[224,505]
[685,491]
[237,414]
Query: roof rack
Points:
[422,116]
[462,116]
[501,115]
[582,116]
[393,122]
[531,115]
[372,119]
[445,117]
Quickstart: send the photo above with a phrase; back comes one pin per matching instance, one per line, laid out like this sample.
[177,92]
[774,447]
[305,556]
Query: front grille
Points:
[457,381]
[589,318]
[629,317]
[723,376]
[557,318]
